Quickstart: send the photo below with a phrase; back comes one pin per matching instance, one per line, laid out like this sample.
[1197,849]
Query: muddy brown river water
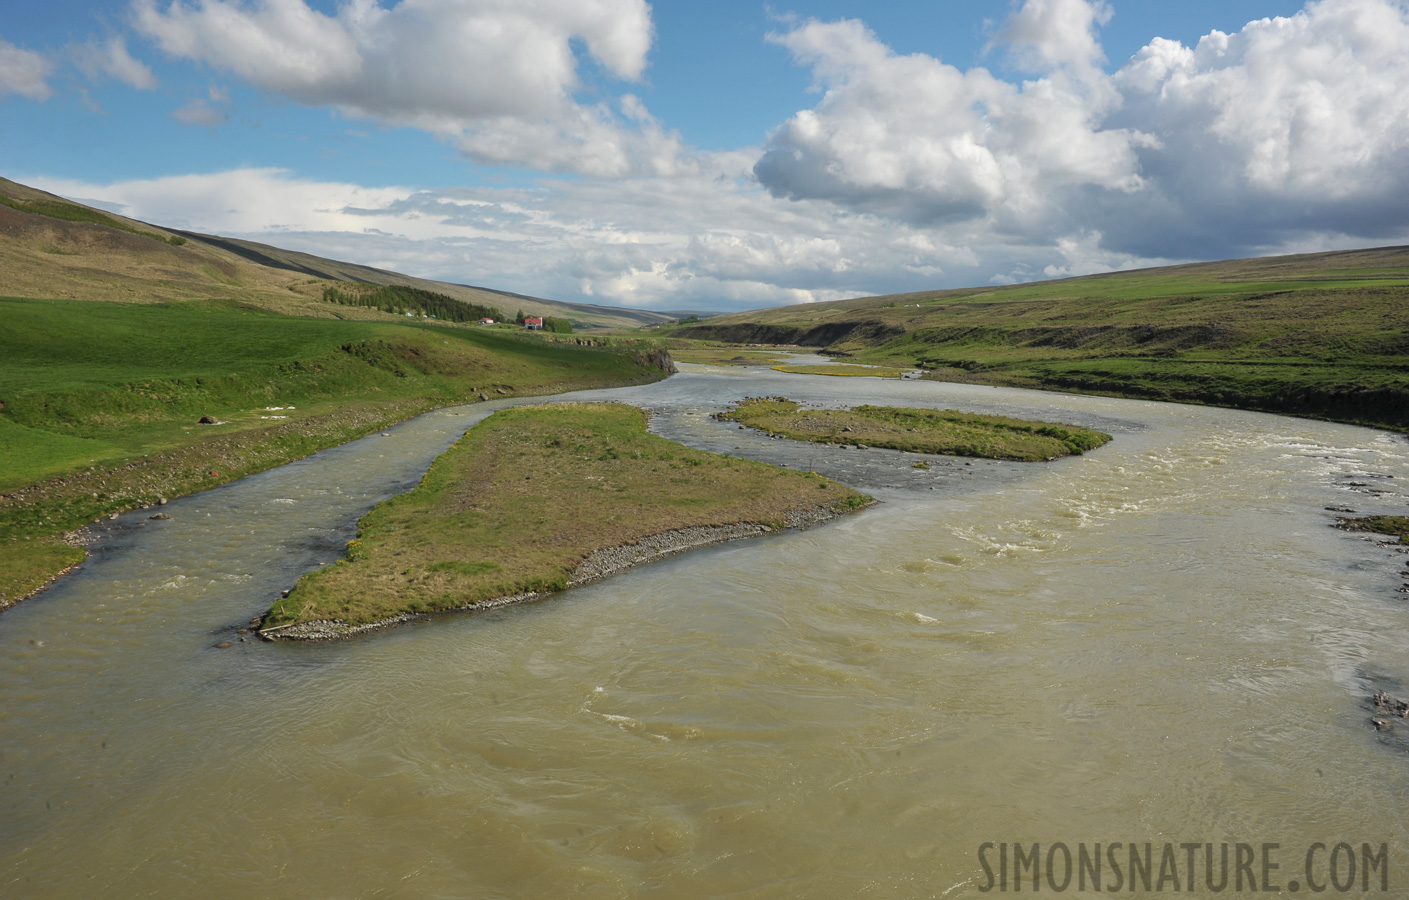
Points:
[1162,641]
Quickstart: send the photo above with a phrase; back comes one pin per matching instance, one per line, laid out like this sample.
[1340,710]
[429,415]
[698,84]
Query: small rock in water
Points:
[159,516]
[113,516]
[1392,705]
[222,645]
[161,502]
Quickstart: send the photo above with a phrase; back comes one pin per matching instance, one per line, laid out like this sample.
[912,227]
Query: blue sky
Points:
[724,155]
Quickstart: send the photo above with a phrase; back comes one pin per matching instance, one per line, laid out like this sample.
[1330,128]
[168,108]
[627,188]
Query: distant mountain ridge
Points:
[127,260]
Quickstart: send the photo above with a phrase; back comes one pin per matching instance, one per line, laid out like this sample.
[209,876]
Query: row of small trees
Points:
[395,298]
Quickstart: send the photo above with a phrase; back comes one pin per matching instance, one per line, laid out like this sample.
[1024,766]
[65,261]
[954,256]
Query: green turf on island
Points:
[525,496]
[1394,526]
[729,356]
[918,430]
[100,403]
[843,370]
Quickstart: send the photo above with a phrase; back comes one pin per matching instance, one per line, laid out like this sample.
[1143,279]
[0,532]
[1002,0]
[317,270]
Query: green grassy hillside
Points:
[52,247]
[1323,335]
[100,403]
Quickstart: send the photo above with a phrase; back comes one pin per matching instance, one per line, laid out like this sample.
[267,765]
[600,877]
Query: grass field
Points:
[525,496]
[1324,335]
[100,403]
[917,430]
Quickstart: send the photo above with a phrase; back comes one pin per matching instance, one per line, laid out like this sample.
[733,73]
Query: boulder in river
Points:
[1392,705]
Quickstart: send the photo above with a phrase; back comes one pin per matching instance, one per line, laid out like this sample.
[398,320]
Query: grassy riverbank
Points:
[526,496]
[1323,335]
[917,430]
[100,403]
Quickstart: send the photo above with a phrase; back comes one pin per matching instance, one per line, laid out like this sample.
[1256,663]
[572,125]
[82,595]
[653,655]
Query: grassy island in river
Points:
[533,499]
[843,370]
[943,431]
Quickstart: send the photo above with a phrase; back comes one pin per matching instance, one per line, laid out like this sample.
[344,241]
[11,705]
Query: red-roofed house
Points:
[533,323]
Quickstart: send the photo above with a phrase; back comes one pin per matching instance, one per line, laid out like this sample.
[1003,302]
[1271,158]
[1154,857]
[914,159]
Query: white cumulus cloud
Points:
[1290,132]
[110,58]
[24,72]
[496,77]
[913,137]
[1047,34]
[1289,127]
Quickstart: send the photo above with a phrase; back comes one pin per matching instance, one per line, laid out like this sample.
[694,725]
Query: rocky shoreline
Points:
[598,565]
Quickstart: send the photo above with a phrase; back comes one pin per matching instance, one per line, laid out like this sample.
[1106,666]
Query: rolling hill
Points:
[54,248]
[1323,334]
[138,363]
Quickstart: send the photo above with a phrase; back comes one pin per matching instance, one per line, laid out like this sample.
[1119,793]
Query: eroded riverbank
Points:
[597,566]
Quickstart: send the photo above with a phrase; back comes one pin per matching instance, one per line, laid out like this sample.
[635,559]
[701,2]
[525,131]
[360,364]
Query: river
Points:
[1160,641]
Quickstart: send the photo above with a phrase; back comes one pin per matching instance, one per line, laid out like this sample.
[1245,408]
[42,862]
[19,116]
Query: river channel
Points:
[1161,641]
